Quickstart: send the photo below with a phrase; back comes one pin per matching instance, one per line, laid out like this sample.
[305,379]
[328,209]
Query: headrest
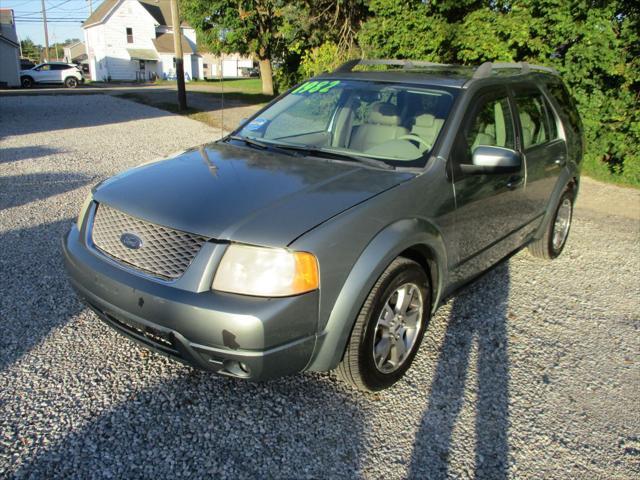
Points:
[525,120]
[384,114]
[490,129]
[424,120]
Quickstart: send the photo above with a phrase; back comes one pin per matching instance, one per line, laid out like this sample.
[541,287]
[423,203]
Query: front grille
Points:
[164,252]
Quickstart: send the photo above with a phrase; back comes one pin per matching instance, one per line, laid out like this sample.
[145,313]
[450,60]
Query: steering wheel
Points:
[416,138]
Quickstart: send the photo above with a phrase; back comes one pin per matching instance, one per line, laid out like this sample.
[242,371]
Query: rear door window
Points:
[535,126]
[568,110]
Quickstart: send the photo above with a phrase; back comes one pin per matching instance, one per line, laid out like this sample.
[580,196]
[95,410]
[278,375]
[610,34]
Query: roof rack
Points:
[405,64]
[484,70]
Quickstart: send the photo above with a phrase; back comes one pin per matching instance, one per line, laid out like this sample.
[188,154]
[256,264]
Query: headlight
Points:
[83,210]
[266,272]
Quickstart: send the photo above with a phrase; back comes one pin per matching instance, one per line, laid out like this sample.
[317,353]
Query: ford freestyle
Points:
[325,231]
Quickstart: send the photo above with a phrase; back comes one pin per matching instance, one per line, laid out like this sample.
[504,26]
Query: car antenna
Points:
[221,100]
[213,168]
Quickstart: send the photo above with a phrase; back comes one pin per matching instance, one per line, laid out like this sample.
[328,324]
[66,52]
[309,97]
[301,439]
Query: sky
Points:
[28,15]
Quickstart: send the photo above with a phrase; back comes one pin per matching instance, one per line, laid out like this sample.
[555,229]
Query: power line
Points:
[53,21]
[50,8]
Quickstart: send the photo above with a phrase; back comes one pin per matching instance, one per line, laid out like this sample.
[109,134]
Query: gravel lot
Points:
[533,372]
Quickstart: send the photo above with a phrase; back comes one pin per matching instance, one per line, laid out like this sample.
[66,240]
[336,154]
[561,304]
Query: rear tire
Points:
[555,236]
[386,336]
[26,82]
[71,82]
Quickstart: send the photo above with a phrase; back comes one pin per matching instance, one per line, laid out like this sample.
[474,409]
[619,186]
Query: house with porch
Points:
[133,40]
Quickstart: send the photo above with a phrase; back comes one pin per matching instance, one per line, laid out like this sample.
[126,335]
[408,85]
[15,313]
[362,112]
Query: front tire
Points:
[26,82]
[71,82]
[389,328]
[555,236]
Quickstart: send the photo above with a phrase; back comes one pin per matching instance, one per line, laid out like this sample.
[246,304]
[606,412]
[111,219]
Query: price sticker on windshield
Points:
[316,87]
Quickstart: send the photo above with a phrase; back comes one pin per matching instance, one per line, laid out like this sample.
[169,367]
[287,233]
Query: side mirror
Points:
[487,160]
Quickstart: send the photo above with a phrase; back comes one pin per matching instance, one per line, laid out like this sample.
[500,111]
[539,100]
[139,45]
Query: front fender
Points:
[379,253]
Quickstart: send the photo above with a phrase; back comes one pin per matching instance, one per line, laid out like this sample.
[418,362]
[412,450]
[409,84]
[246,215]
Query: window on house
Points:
[174,62]
[129,35]
[205,65]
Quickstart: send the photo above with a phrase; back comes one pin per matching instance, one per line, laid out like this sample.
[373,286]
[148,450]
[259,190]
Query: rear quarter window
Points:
[568,110]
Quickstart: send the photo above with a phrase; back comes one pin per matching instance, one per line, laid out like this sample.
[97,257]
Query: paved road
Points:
[533,372]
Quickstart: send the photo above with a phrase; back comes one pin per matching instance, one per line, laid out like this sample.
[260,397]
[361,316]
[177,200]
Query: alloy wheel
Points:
[397,328]
[562,224]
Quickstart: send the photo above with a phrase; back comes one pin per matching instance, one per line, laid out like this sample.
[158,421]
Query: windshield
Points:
[397,124]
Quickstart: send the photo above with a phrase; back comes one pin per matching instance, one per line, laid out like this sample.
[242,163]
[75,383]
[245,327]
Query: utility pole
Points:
[177,47]
[55,45]
[90,7]
[46,33]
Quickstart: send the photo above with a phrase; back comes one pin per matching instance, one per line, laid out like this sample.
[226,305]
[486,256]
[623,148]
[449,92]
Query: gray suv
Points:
[325,231]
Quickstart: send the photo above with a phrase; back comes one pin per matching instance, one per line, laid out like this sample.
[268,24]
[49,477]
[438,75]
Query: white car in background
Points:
[66,74]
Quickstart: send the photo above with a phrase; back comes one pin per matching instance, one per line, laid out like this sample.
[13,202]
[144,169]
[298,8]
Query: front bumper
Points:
[247,337]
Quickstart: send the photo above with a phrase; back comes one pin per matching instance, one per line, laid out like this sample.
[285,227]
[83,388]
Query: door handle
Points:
[514,182]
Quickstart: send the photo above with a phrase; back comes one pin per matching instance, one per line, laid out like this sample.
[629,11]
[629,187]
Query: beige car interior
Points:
[373,126]
[532,133]
[383,132]
[427,127]
[381,125]
[491,127]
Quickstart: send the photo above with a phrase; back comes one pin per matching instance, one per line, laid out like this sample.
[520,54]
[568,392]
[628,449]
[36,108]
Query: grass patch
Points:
[598,170]
[192,113]
[244,85]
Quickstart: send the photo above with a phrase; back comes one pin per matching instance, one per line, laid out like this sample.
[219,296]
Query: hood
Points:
[236,193]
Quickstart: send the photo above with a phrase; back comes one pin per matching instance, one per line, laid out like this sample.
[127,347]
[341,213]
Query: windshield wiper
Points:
[320,152]
[258,144]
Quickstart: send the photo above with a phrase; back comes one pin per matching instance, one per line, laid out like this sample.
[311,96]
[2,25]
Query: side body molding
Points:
[390,242]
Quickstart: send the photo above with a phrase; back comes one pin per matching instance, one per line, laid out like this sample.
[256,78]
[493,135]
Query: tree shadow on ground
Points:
[16,190]
[62,112]
[36,297]
[478,315]
[8,155]
[199,425]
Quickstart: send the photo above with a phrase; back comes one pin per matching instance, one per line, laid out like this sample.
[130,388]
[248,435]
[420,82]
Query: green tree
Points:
[30,50]
[246,26]
[275,30]
[594,44]
[319,34]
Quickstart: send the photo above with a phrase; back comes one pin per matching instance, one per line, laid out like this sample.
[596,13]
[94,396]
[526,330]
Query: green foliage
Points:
[594,45]
[30,50]
[325,58]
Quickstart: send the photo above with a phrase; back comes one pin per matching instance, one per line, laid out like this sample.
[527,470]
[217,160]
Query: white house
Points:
[225,65]
[133,40]
[75,53]
[9,50]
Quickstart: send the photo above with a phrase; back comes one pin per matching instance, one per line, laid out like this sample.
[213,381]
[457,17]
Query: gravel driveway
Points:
[533,372]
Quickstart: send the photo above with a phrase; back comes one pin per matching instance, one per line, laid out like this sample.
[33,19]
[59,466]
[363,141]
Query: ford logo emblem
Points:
[131,241]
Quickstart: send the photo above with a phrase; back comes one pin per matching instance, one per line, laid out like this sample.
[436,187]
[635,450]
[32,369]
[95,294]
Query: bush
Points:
[594,45]
[325,58]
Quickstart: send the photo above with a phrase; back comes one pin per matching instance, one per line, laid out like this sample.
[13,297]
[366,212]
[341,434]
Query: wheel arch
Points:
[416,239]
[567,181]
